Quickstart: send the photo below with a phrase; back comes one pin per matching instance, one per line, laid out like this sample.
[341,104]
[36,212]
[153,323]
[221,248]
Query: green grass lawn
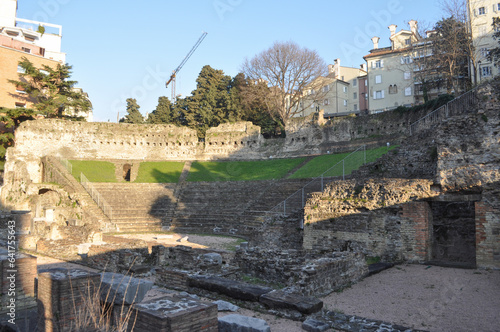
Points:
[95,171]
[352,162]
[242,170]
[159,172]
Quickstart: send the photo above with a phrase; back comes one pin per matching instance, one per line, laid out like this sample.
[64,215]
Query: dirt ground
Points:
[417,296]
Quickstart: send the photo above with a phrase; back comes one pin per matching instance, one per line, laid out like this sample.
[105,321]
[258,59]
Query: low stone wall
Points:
[306,274]
[376,217]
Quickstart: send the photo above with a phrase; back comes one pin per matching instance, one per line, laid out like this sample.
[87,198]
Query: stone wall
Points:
[305,274]
[488,229]
[379,218]
[81,140]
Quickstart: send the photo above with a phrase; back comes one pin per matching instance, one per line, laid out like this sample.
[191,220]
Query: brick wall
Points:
[418,222]
[9,58]
[65,298]
[487,235]
[22,287]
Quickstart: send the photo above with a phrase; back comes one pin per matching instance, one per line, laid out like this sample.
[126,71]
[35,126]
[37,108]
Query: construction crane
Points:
[186,58]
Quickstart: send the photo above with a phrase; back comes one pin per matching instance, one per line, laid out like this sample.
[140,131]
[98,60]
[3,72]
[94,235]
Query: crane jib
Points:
[186,58]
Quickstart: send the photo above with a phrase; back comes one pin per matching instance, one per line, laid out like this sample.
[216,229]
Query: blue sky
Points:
[128,49]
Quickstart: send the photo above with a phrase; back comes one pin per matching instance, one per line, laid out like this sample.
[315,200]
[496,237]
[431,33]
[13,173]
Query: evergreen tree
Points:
[209,104]
[164,112]
[50,89]
[133,116]
[11,118]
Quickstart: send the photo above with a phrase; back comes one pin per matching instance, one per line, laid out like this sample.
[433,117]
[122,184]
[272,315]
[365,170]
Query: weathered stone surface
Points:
[175,312]
[235,289]
[239,323]
[226,306]
[313,325]
[350,323]
[282,299]
[118,288]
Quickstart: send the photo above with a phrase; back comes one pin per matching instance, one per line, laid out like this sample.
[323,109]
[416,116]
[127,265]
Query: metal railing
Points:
[67,164]
[460,105]
[341,169]
[96,196]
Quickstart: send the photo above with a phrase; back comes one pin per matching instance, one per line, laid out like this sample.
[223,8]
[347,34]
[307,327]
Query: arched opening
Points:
[126,172]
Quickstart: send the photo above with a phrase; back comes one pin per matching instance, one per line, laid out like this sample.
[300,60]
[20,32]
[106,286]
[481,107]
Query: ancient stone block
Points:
[235,289]
[118,288]
[282,299]
[175,313]
[239,323]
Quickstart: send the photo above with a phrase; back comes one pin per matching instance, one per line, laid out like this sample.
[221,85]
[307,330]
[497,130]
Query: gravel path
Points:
[426,297]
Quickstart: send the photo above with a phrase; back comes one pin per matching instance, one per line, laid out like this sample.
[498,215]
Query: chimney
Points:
[392,28]
[331,69]
[363,66]
[413,26]
[375,41]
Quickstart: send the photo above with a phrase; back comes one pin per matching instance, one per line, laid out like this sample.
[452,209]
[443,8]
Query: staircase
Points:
[139,207]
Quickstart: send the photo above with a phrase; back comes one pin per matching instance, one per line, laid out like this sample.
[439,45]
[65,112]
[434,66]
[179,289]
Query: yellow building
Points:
[340,93]
[397,74]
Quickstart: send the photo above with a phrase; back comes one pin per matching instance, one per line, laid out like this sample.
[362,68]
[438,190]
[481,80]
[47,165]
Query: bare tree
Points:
[289,71]
[464,11]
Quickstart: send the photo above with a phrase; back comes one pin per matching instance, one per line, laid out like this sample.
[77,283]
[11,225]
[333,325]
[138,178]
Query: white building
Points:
[41,34]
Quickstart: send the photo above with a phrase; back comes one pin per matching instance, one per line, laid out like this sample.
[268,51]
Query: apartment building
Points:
[481,13]
[39,42]
[341,92]
[401,74]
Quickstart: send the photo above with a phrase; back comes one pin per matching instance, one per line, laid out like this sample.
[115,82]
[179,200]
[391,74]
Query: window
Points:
[326,88]
[378,94]
[484,52]
[20,105]
[481,11]
[345,89]
[485,71]
[482,31]
[355,95]
[345,102]
[406,60]
[378,64]
[355,82]
[407,75]
[408,41]
[393,89]
[408,91]
[355,107]
[29,38]
[21,70]
[326,102]
[25,49]
[20,89]
[44,72]
[378,79]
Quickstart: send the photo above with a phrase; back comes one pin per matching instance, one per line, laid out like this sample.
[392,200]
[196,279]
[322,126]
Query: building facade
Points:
[39,42]
[401,74]
[340,93]
[481,13]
